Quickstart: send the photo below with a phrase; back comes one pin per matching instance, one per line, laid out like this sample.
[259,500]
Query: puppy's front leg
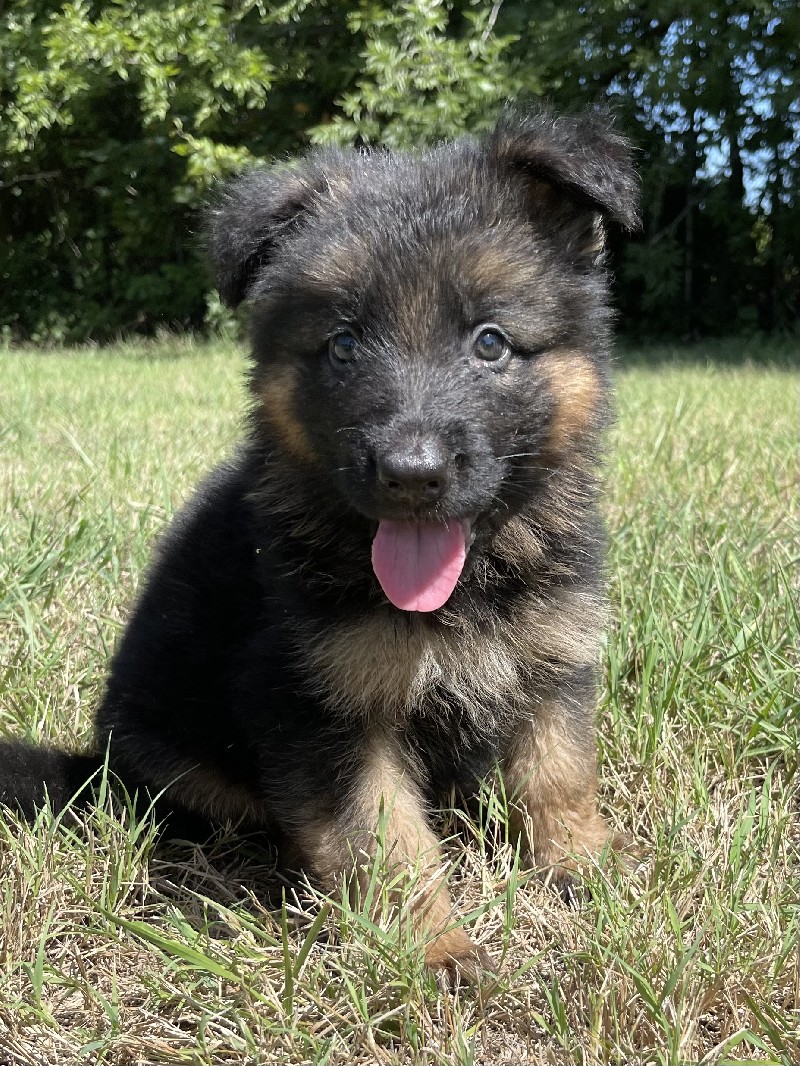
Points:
[550,774]
[385,797]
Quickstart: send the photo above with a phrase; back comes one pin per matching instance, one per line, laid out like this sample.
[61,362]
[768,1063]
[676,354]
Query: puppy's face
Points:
[429,335]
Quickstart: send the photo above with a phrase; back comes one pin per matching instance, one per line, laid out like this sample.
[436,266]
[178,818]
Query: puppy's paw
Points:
[619,852]
[626,850]
[459,957]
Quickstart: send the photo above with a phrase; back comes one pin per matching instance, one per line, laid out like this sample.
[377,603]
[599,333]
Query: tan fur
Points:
[576,387]
[277,392]
[384,785]
[596,240]
[551,780]
[416,307]
[562,509]
[202,789]
[519,545]
[492,269]
[195,785]
[387,809]
[333,265]
[389,666]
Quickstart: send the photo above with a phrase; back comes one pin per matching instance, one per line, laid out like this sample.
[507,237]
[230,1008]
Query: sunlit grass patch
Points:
[113,950]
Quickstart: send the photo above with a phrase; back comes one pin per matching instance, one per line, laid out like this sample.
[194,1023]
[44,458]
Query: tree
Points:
[117,116]
[708,91]
[116,119]
[429,73]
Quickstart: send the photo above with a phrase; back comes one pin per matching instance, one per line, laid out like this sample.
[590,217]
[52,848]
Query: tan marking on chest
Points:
[390,666]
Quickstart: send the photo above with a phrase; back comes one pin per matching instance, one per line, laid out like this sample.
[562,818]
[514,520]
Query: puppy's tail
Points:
[30,777]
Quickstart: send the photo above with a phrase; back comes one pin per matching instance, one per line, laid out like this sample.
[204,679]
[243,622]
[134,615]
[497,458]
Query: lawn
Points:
[111,953]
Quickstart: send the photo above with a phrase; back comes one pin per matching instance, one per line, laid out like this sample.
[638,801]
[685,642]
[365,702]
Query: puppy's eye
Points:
[491,345]
[342,347]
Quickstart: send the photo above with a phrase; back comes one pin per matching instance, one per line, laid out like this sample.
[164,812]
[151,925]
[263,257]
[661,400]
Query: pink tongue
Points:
[418,565]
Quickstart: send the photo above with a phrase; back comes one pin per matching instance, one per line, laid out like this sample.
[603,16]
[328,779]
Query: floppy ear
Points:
[252,216]
[581,158]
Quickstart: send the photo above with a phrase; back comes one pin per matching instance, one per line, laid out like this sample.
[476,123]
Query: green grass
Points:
[110,953]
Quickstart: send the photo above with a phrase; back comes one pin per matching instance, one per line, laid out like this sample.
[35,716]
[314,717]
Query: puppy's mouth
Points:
[418,564]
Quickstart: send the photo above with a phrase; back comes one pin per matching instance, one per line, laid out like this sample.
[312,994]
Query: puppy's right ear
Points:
[250,219]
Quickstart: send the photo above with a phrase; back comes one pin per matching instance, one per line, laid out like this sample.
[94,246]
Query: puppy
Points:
[395,586]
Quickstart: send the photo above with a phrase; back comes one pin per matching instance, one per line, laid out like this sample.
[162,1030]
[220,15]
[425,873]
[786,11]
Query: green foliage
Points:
[660,267]
[118,116]
[421,82]
[116,119]
[708,92]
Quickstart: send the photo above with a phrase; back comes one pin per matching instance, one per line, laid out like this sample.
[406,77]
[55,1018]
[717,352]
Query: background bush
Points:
[117,117]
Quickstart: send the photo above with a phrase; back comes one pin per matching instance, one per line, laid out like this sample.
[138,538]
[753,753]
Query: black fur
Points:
[228,688]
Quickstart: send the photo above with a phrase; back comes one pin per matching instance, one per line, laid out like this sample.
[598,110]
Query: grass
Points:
[111,953]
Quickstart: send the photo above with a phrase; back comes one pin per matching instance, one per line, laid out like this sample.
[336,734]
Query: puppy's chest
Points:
[399,669]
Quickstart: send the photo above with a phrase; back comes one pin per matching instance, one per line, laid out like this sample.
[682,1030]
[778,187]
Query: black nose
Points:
[414,470]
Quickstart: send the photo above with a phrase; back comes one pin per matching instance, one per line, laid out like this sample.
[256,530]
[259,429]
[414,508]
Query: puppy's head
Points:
[430,331]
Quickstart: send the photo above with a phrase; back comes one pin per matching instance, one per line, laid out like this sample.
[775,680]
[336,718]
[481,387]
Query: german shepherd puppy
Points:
[396,584]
